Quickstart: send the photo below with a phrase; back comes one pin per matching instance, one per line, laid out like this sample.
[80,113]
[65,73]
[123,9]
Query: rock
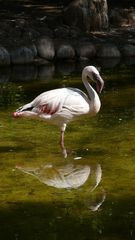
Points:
[128,50]
[116,18]
[33,49]
[65,51]
[131,18]
[4,56]
[108,51]
[45,31]
[75,15]
[45,48]
[131,41]
[31,34]
[22,55]
[86,50]
[62,32]
[87,15]
[122,17]
[75,32]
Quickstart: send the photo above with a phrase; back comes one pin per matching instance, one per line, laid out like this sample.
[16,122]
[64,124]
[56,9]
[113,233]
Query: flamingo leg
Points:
[62,140]
[27,114]
[64,151]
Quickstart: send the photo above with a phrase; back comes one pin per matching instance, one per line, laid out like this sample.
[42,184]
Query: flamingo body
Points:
[63,104]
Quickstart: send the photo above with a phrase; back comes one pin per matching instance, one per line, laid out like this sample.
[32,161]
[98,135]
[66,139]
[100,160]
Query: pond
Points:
[88,195]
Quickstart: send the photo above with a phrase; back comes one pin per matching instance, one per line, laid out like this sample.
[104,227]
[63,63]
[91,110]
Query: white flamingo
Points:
[63,104]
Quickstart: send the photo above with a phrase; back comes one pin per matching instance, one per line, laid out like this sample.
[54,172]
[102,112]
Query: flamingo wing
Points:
[64,101]
[46,103]
[49,102]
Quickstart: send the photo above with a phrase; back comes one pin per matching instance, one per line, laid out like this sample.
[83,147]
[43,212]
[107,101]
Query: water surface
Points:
[88,195]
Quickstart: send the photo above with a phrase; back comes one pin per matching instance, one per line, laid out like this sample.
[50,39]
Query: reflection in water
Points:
[108,62]
[23,73]
[65,68]
[5,74]
[98,176]
[27,73]
[70,176]
[67,176]
[47,71]
[97,202]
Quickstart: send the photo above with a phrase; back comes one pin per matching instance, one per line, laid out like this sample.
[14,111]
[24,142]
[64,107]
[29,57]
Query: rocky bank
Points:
[46,38]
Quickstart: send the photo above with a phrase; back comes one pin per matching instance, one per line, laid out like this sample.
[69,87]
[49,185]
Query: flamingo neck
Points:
[94,100]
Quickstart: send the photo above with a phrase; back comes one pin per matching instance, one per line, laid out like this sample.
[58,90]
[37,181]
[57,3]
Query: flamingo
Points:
[63,104]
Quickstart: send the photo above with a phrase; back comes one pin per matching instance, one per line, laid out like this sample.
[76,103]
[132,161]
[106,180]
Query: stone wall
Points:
[87,14]
[122,17]
[81,48]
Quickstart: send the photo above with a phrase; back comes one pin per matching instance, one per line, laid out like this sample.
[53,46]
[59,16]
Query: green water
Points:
[90,195]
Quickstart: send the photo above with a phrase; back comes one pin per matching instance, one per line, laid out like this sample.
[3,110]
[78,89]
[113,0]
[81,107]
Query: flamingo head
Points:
[94,74]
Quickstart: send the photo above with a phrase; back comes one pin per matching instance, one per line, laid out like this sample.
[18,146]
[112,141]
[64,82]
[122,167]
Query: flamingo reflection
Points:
[69,176]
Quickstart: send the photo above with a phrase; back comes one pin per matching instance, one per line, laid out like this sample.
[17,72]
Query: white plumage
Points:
[63,104]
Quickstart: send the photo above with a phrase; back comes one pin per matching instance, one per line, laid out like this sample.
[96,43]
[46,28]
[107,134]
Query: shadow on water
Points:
[55,221]
[13,148]
[50,221]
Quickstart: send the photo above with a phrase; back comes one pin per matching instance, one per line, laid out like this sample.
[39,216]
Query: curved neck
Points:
[93,96]
[91,92]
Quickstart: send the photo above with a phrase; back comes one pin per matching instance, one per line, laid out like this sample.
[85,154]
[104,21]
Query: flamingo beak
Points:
[99,84]
[99,81]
